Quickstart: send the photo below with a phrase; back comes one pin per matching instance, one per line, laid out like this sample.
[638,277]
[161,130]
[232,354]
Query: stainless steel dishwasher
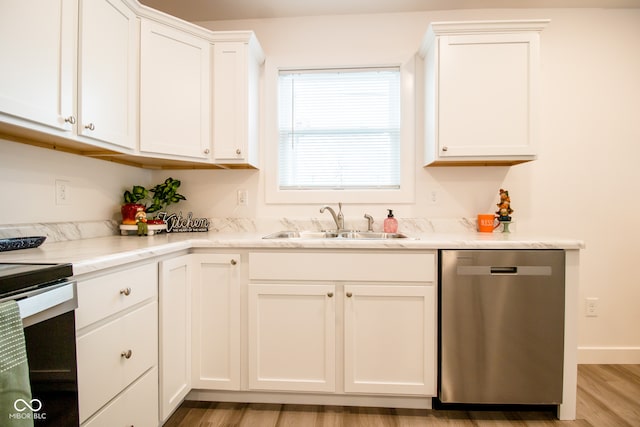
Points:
[501,327]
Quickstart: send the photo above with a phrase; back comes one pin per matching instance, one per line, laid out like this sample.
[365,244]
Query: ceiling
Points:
[216,10]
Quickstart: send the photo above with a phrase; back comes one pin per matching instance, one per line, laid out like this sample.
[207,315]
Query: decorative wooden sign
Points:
[176,223]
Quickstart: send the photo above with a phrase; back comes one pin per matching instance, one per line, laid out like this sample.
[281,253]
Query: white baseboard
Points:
[609,355]
[416,402]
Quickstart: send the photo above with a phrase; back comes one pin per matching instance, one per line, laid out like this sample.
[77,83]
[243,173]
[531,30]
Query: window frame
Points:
[406,192]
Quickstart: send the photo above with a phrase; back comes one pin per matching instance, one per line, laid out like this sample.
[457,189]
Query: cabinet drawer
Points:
[380,267]
[137,406]
[103,296]
[104,369]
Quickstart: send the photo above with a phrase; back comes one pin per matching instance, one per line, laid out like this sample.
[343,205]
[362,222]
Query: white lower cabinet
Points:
[174,333]
[311,330]
[292,337]
[134,407]
[215,317]
[389,339]
[117,344]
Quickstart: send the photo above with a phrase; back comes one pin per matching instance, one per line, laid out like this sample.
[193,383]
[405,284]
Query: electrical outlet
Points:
[63,192]
[591,307]
[243,198]
[433,197]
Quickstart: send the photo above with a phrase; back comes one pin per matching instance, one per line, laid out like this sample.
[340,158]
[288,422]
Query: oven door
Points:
[49,329]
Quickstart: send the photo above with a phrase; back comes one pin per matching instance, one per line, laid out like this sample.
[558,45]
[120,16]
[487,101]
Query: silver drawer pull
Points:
[126,354]
[126,292]
[71,120]
[90,126]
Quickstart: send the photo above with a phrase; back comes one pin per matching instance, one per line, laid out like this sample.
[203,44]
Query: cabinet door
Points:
[37,47]
[292,337]
[137,406]
[390,339]
[112,356]
[487,88]
[174,92]
[230,100]
[236,74]
[216,321]
[107,72]
[175,333]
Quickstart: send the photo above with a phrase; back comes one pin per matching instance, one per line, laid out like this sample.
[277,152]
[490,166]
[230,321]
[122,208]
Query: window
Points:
[339,129]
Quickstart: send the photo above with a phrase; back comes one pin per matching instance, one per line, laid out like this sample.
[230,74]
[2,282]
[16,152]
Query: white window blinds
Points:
[339,129]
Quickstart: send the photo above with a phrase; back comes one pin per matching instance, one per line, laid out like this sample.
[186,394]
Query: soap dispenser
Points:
[390,223]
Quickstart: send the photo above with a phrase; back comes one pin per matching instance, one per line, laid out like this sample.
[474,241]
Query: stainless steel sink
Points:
[372,235]
[346,234]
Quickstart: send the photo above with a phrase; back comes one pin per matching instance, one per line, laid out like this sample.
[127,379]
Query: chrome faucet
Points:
[339,219]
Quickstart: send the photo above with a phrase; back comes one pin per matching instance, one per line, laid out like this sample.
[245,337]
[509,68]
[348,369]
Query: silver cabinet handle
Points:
[126,292]
[445,148]
[126,354]
[90,126]
[234,262]
[349,294]
[238,151]
[207,151]
[71,120]
[330,294]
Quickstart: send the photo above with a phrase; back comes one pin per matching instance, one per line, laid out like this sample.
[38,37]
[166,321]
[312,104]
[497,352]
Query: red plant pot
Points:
[128,212]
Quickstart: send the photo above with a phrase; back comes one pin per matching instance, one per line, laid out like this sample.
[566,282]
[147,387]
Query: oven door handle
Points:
[48,303]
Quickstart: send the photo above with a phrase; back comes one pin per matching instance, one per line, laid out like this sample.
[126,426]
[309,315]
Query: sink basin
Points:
[371,235]
[347,234]
[301,235]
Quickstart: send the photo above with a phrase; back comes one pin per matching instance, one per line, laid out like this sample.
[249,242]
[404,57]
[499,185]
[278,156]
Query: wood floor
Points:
[608,396]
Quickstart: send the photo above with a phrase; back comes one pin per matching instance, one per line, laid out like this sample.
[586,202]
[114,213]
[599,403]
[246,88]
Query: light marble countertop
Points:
[89,255]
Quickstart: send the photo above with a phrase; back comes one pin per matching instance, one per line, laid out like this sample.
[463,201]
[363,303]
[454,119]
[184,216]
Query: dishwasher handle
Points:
[504,270]
[518,270]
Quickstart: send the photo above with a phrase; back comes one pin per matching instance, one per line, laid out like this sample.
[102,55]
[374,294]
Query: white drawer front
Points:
[379,267]
[138,406]
[103,296]
[104,369]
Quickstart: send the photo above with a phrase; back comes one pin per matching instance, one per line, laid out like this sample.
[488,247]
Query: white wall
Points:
[27,189]
[584,184]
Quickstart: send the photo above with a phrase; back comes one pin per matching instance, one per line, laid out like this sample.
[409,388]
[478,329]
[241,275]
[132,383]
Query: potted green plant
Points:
[151,200]
[132,202]
[165,194]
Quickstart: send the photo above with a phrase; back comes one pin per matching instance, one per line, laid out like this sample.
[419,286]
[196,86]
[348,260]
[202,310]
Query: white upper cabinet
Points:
[174,92]
[37,47]
[107,80]
[236,73]
[138,84]
[481,92]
